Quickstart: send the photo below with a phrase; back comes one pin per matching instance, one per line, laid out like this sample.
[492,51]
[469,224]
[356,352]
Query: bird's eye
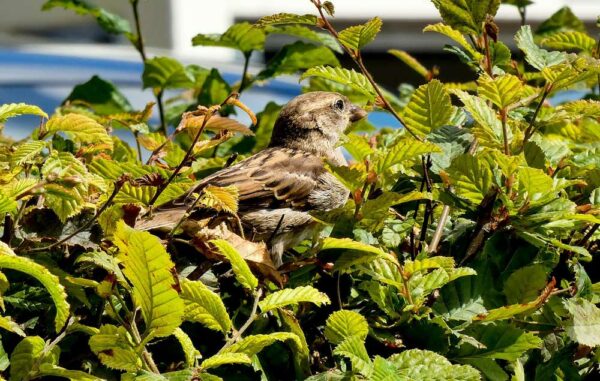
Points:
[339,104]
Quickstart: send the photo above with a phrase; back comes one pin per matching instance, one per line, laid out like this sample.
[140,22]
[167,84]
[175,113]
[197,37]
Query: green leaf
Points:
[357,36]
[536,56]
[358,147]
[101,95]
[240,268]
[562,20]
[241,36]
[348,244]
[344,324]
[460,300]
[466,15]
[214,90]
[501,340]
[483,115]
[8,324]
[404,151]
[354,348]
[66,193]
[471,177]
[410,61]
[11,110]
[422,365]
[429,108]
[113,346]
[27,152]
[293,296]
[8,260]
[110,22]
[204,306]
[356,81]
[584,325]
[570,40]
[189,351]
[297,56]
[165,73]
[80,128]
[24,357]
[502,90]
[251,345]
[147,265]
[286,18]
[225,358]
[455,35]
[51,370]
[524,285]
[304,32]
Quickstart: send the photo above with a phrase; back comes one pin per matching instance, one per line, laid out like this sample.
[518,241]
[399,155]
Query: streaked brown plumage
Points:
[281,184]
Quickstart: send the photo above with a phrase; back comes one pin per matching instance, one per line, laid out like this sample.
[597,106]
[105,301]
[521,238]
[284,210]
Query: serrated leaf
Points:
[221,198]
[165,73]
[460,300]
[501,340]
[51,370]
[404,151]
[293,296]
[204,306]
[8,324]
[251,345]
[80,128]
[562,20]
[570,40]
[7,204]
[28,151]
[584,325]
[343,324]
[147,265]
[24,356]
[483,115]
[225,358]
[189,351]
[410,61]
[502,90]
[422,265]
[11,110]
[298,56]
[466,15]
[353,348]
[110,22]
[304,32]
[241,36]
[358,147]
[357,36]
[240,267]
[455,35]
[471,177]
[8,260]
[113,346]
[536,56]
[524,284]
[286,18]
[429,108]
[422,365]
[356,81]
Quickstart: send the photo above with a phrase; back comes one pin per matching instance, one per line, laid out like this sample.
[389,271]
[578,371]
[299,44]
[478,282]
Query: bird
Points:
[279,186]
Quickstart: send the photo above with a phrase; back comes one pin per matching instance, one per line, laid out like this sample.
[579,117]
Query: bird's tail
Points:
[166,218]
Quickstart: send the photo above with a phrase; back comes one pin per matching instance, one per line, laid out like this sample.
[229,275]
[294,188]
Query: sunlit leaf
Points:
[466,15]
[204,306]
[241,36]
[357,36]
[354,80]
[429,108]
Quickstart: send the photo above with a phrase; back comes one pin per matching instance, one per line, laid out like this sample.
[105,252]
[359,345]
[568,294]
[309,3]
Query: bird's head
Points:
[314,122]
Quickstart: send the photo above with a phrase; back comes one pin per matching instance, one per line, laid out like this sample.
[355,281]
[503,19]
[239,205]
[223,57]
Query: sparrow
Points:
[280,185]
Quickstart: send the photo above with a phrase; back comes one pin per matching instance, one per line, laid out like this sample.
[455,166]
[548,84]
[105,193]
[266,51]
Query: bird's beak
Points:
[356,113]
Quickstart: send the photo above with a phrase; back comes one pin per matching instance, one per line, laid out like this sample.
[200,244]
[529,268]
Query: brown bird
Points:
[280,185]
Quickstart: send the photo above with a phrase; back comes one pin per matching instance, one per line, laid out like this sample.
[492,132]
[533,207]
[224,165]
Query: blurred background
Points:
[44,54]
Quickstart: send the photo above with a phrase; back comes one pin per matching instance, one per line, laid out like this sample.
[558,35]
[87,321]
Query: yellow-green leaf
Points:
[24,357]
[11,110]
[147,265]
[240,267]
[343,324]
[113,346]
[225,358]
[357,36]
[356,81]
[8,260]
[410,61]
[429,108]
[503,90]
[80,128]
[471,177]
[570,40]
[455,35]
[292,296]
[221,198]
[251,345]
[204,306]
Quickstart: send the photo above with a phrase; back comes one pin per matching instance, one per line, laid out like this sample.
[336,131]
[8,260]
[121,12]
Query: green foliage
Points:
[466,250]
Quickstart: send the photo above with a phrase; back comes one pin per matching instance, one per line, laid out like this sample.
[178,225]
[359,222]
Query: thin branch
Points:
[253,315]
[244,81]
[437,236]
[531,128]
[161,113]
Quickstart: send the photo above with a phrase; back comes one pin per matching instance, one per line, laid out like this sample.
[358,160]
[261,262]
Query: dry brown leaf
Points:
[215,123]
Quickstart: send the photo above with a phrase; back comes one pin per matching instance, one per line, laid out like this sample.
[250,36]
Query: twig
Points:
[357,58]
[253,315]
[244,82]
[118,185]
[588,235]
[437,236]
[531,128]
[161,112]
[504,116]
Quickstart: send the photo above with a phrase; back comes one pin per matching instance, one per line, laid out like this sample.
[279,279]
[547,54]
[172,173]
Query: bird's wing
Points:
[276,177]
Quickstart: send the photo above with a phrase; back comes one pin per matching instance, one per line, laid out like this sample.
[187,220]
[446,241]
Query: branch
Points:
[531,128]
[253,315]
